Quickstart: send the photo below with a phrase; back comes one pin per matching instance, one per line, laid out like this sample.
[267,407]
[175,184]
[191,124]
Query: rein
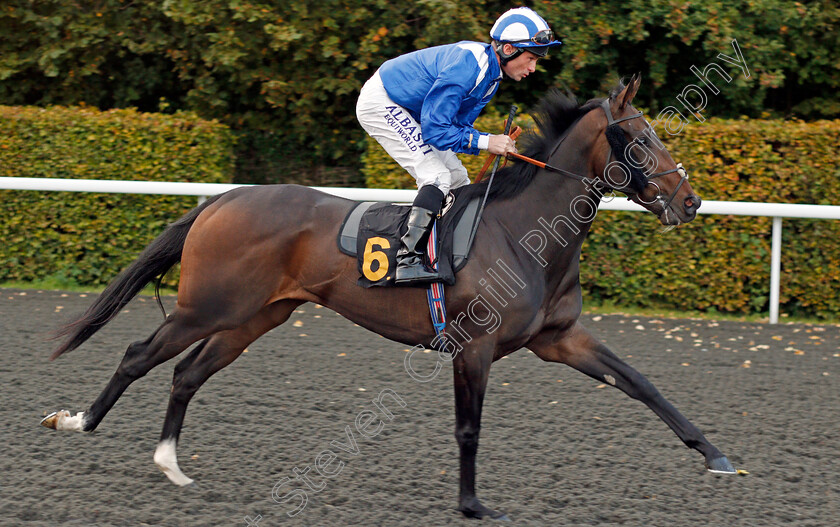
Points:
[613,122]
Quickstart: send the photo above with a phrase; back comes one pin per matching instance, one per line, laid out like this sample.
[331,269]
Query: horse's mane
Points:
[554,115]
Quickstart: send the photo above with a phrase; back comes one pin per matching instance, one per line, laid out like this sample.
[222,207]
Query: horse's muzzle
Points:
[690,206]
[672,215]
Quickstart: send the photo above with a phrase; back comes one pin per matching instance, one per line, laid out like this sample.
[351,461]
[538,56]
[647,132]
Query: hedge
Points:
[716,263]
[88,238]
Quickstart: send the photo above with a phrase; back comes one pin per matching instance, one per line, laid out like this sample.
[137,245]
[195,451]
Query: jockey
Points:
[421,107]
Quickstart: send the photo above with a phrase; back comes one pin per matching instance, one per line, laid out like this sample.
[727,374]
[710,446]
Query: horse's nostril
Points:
[692,203]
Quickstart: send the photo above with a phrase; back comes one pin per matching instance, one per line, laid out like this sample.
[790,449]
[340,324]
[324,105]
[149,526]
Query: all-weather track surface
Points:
[557,448]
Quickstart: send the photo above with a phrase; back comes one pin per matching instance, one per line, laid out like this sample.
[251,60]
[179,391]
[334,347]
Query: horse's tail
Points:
[156,259]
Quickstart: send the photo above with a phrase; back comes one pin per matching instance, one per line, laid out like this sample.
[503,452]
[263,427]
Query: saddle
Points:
[371,232]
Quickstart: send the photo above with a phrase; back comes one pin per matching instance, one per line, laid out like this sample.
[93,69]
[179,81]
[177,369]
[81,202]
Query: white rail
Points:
[777,211]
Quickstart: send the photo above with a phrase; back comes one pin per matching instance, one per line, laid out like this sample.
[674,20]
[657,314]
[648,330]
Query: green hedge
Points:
[88,238]
[716,263]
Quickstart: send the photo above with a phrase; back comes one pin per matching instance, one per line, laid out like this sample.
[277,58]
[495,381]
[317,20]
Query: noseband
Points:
[660,197]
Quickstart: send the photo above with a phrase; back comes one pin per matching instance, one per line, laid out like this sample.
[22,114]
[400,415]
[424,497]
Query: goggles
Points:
[542,38]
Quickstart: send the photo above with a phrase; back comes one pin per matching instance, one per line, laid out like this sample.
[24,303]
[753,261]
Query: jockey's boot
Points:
[411,267]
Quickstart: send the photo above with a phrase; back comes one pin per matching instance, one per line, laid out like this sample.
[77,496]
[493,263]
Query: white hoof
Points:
[167,461]
[61,420]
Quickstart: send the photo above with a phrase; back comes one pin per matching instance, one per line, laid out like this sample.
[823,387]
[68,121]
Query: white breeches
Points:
[399,134]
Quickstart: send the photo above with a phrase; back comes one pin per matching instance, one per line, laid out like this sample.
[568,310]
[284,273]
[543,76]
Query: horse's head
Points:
[637,163]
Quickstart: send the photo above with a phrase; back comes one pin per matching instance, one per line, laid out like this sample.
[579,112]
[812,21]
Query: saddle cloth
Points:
[371,231]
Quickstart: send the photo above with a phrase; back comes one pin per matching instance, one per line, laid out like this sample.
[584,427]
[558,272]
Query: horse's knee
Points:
[640,388]
[467,436]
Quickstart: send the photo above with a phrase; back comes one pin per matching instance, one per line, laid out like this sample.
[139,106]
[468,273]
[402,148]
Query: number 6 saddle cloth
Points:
[372,232]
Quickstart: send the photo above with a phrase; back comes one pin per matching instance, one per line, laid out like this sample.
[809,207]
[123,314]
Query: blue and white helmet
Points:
[525,30]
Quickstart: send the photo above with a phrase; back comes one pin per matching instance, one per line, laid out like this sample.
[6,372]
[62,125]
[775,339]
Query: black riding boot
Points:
[411,268]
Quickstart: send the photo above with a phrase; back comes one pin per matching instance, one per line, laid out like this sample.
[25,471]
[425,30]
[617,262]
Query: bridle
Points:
[660,197]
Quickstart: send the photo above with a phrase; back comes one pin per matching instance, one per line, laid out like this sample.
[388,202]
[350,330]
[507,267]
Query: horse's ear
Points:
[626,96]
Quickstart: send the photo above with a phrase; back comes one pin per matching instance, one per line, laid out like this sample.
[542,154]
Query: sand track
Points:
[561,453]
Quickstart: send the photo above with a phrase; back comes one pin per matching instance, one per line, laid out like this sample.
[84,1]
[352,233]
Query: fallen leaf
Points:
[297,323]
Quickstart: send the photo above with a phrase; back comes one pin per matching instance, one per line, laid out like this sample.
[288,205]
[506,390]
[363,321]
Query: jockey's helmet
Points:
[523,29]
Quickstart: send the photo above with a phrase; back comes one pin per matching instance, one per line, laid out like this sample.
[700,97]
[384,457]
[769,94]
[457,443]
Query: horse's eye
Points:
[642,140]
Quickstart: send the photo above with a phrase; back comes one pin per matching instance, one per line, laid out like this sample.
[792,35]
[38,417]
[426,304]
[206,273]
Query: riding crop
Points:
[513,110]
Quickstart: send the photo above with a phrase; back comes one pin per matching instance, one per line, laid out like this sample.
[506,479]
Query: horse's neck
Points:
[558,211]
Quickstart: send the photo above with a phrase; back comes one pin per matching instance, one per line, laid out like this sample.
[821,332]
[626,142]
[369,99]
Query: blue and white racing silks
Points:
[444,88]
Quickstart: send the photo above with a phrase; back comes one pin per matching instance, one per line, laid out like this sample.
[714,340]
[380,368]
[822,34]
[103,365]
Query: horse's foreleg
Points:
[471,369]
[211,356]
[580,350]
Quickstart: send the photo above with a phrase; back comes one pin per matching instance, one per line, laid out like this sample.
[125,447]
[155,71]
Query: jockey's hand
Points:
[501,145]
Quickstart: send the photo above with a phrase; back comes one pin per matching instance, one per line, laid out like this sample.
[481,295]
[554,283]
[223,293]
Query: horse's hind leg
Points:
[180,330]
[206,359]
[583,352]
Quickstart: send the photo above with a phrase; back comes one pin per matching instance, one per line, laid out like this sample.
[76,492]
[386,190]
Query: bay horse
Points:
[249,257]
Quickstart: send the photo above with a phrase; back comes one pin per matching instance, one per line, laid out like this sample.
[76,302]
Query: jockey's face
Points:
[520,67]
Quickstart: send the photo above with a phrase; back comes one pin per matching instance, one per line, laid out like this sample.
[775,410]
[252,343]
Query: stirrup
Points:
[410,274]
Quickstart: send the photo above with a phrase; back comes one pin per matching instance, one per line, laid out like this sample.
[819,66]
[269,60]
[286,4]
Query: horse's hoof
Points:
[62,420]
[51,420]
[491,515]
[720,465]
[475,509]
[191,485]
